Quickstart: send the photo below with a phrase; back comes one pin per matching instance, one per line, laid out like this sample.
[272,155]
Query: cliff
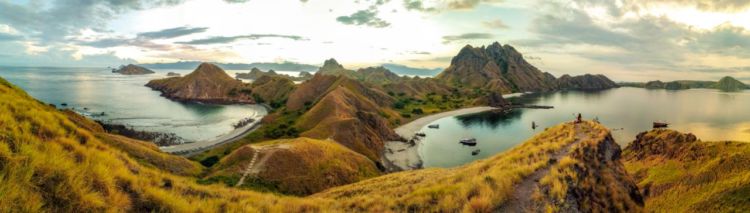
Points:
[208,83]
[299,166]
[132,69]
[677,172]
[585,82]
[497,67]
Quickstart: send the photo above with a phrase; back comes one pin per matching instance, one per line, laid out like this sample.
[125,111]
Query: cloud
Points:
[230,39]
[364,17]
[9,37]
[468,4]
[172,32]
[495,24]
[443,5]
[705,5]
[467,36]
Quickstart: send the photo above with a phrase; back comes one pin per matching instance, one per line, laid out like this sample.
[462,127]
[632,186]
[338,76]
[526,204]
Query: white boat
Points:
[468,141]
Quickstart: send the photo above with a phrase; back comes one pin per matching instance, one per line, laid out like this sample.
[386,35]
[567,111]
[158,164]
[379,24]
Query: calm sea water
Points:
[709,114]
[125,100]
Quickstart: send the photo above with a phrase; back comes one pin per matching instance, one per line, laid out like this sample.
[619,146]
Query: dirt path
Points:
[250,165]
[255,165]
[521,200]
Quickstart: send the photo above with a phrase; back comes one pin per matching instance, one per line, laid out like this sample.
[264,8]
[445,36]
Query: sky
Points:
[627,40]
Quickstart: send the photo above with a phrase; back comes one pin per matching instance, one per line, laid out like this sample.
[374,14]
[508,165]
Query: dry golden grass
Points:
[299,166]
[678,175]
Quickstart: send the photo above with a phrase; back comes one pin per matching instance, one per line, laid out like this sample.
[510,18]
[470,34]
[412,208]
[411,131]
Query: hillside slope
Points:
[679,173]
[299,166]
[50,163]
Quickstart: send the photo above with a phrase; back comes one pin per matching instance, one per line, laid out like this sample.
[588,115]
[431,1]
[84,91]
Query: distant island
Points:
[286,66]
[256,73]
[132,69]
[208,84]
[727,83]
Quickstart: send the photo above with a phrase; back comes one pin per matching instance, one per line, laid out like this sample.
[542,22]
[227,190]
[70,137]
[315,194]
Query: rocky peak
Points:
[254,70]
[331,64]
[211,71]
[659,142]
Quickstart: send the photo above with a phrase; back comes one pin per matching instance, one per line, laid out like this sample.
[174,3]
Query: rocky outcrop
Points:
[132,69]
[676,172]
[208,84]
[585,82]
[499,66]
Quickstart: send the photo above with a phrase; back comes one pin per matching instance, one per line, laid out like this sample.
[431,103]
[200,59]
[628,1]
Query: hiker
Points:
[533,125]
[578,119]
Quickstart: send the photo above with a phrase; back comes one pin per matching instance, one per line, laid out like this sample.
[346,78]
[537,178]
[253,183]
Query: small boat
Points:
[434,126]
[475,152]
[468,141]
[420,134]
[64,104]
[660,125]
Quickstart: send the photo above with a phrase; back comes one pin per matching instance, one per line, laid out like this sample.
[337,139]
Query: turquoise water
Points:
[709,114]
[125,100]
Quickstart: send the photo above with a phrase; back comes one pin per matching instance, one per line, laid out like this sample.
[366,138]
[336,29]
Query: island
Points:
[132,69]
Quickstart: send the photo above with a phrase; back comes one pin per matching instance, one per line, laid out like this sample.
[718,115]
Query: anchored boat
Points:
[660,125]
[434,126]
[475,152]
[468,141]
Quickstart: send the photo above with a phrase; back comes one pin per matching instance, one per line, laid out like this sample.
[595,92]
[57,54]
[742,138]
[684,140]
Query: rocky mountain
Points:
[585,82]
[131,69]
[497,68]
[300,166]
[332,67]
[677,172]
[208,83]
[730,84]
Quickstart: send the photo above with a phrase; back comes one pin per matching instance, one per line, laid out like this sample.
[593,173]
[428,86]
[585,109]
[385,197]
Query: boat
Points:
[434,126]
[475,152]
[420,134]
[468,141]
[660,125]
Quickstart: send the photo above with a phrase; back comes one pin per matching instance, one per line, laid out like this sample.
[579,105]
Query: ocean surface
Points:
[709,114]
[125,100]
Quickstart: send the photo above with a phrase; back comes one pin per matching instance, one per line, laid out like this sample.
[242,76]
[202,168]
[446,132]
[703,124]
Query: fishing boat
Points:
[434,126]
[420,134]
[660,125]
[468,141]
[475,152]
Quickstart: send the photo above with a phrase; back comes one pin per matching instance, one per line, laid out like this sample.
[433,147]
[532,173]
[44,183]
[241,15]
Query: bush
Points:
[406,115]
[417,111]
[210,161]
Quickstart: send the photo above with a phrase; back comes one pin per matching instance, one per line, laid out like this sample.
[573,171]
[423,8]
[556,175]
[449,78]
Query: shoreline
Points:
[402,156]
[189,149]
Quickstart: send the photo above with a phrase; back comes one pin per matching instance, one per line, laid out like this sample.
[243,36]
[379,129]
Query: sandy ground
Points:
[401,156]
[199,146]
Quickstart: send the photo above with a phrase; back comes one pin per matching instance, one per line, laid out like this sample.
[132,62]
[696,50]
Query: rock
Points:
[173,74]
[132,69]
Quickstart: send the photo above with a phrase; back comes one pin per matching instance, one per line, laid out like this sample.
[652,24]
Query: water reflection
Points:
[490,119]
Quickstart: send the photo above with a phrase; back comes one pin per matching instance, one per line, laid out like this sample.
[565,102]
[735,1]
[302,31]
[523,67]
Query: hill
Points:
[48,162]
[131,69]
[497,68]
[286,66]
[299,166]
[272,89]
[208,83]
[256,73]
[585,82]
[406,70]
[730,84]
[676,172]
